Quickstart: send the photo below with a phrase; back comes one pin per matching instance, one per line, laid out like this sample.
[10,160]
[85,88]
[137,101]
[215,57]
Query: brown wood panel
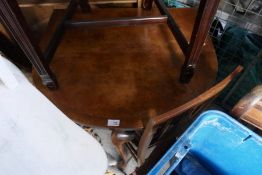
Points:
[192,108]
[249,108]
[118,22]
[124,73]
[63,3]
[197,100]
[253,117]
[206,12]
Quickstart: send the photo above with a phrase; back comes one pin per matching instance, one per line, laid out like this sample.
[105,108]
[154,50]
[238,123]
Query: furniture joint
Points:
[49,82]
[187,73]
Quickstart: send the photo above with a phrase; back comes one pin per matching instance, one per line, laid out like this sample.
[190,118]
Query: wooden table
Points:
[124,74]
[15,23]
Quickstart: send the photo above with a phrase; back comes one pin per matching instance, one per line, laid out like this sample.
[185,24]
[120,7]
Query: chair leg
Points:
[147,4]
[139,3]
[145,141]
[206,11]
[84,5]
[15,23]
[119,138]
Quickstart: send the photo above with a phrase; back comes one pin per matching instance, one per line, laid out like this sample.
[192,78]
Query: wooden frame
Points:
[249,108]
[118,22]
[14,22]
[61,4]
[152,122]
[192,108]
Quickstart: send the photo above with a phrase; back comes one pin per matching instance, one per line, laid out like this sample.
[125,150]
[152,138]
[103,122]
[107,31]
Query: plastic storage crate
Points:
[214,144]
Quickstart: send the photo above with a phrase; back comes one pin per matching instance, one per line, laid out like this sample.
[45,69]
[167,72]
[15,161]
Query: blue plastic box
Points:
[217,144]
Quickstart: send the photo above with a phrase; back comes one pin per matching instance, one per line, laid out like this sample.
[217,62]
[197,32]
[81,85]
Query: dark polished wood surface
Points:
[15,24]
[124,73]
[206,12]
[249,108]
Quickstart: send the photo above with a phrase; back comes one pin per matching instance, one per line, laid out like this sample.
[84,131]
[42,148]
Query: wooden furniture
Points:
[64,3]
[151,123]
[124,74]
[117,77]
[249,108]
[114,73]
[14,22]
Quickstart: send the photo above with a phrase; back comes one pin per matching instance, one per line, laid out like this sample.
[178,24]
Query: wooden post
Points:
[14,22]
[206,11]
[84,5]
[147,4]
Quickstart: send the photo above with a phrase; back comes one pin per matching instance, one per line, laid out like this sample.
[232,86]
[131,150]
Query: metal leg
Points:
[205,15]
[14,22]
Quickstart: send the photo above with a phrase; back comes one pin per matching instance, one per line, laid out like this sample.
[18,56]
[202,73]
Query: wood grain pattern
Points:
[62,4]
[118,22]
[173,26]
[206,12]
[192,50]
[199,100]
[58,31]
[123,73]
[253,117]
[249,108]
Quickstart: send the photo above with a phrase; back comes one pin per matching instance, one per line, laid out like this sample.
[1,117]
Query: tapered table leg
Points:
[147,4]
[14,22]
[206,11]
[84,5]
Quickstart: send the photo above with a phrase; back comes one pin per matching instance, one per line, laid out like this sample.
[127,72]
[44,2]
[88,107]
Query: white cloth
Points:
[36,138]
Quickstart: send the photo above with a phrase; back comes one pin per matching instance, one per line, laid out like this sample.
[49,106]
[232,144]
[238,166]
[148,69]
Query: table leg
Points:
[14,22]
[147,4]
[206,11]
[84,5]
